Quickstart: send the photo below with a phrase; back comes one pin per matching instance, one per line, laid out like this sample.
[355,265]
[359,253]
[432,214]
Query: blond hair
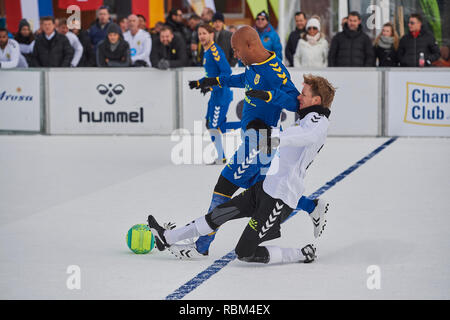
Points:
[320,87]
[394,34]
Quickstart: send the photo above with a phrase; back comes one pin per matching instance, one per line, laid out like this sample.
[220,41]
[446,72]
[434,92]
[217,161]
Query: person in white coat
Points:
[312,48]
[10,56]
[271,201]
[74,42]
[140,43]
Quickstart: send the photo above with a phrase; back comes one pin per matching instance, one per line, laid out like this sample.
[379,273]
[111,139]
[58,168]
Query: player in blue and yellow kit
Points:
[264,72]
[216,65]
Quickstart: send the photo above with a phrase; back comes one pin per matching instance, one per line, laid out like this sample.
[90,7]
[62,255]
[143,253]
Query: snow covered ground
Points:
[68,200]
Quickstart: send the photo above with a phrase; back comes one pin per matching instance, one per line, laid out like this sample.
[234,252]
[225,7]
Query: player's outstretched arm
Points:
[277,97]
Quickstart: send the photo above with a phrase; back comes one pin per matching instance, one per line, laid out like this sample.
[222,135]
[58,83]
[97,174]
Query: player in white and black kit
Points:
[269,202]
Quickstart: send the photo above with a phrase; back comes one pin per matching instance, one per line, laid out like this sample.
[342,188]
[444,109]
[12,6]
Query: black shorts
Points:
[266,215]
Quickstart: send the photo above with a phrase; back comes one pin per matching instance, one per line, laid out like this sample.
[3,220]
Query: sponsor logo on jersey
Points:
[427,105]
[257,77]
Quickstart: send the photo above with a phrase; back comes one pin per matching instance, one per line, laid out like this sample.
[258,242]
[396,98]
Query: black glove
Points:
[264,135]
[194,84]
[163,64]
[260,94]
[205,90]
[209,82]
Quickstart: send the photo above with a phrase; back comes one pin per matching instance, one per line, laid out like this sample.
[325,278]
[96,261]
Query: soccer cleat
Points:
[158,233]
[309,251]
[185,251]
[318,216]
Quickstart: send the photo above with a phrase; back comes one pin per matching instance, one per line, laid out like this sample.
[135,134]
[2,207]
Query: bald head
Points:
[247,46]
[133,23]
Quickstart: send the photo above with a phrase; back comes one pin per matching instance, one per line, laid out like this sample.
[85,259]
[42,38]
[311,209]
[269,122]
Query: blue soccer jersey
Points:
[216,65]
[270,75]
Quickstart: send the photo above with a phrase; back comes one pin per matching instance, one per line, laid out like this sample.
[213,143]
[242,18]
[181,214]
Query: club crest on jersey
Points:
[257,77]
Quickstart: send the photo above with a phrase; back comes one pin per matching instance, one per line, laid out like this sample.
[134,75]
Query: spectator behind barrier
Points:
[351,47]
[156,30]
[97,30]
[123,24]
[207,15]
[269,37]
[175,21]
[88,59]
[294,37]
[417,41]
[139,41]
[114,51]
[222,38]
[10,56]
[192,45]
[25,38]
[142,22]
[51,49]
[312,49]
[169,51]
[74,42]
[386,46]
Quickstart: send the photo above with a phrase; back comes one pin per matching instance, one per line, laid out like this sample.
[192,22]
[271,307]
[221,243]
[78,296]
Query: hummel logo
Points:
[241,169]
[271,221]
[110,91]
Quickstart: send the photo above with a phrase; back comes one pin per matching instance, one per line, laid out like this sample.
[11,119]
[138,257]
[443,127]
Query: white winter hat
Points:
[313,22]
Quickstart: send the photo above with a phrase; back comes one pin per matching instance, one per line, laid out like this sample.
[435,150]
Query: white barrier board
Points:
[418,103]
[20,100]
[354,111]
[113,101]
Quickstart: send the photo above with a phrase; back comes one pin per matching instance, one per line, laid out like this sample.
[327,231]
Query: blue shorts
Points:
[216,117]
[248,165]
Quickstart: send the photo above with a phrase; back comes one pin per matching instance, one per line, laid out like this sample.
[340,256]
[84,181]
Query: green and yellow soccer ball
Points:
[140,239]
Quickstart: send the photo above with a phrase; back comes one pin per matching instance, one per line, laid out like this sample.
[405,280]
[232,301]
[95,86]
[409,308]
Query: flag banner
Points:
[31,10]
[256,6]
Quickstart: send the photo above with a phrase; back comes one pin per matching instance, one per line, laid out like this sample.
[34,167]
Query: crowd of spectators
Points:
[174,43]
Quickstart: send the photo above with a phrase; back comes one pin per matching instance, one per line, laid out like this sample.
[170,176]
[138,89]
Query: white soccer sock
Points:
[197,228]
[284,255]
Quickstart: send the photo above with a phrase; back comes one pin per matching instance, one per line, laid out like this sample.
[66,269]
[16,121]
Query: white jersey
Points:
[77,47]
[10,57]
[140,45]
[299,145]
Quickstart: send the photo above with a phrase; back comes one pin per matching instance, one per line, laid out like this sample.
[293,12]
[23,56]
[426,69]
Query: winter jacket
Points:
[56,52]
[223,40]
[271,41]
[351,48]
[387,57]
[88,58]
[308,55]
[291,45]
[120,57]
[175,52]
[410,48]
[97,33]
